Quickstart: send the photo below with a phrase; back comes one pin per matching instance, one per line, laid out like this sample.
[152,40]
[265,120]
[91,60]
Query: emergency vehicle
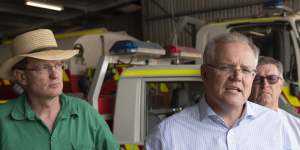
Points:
[276,34]
[135,91]
[144,87]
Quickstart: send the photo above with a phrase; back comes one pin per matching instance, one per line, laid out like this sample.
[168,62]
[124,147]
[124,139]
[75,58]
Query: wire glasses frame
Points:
[229,69]
[271,79]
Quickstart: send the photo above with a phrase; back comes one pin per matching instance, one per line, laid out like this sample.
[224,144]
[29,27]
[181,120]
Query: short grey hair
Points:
[264,60]
[210,48]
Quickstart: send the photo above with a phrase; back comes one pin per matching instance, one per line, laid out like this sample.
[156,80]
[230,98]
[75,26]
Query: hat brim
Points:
[6,67]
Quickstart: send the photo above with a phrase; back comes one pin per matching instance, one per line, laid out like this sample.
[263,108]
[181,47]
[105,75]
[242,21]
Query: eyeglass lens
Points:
[271,79]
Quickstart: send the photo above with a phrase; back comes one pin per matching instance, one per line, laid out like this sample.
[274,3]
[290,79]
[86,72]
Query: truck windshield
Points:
[274,40]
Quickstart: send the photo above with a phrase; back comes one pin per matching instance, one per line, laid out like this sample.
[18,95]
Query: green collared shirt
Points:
[78,126]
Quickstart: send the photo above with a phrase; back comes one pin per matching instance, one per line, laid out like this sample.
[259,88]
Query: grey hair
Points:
[210,48]
[264,60]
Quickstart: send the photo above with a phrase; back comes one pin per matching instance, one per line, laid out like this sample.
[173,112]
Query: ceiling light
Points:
[45,5]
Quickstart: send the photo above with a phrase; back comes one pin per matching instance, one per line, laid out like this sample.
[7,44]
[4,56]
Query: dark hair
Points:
[21,64]
[264,60]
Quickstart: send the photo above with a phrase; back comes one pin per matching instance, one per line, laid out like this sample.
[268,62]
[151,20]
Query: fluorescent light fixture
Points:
[44,5]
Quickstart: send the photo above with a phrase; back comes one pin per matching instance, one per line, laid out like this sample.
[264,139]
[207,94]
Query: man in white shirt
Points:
[266,90]
[224,119]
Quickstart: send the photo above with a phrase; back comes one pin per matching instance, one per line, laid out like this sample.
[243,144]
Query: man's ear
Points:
[20,77]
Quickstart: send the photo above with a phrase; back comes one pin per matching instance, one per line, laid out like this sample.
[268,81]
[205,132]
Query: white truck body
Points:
[134,116]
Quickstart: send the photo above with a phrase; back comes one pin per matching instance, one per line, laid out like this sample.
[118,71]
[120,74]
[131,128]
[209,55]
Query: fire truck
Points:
[276,34]
[136,85]
[134,91]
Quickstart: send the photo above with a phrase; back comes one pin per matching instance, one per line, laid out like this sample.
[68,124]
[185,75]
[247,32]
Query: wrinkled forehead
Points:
[235,52]
[267,69]
[245,46]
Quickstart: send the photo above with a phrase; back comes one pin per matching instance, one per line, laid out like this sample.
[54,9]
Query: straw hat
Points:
[40,44]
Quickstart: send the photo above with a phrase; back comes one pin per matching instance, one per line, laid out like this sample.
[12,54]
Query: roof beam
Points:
[14,24]
[41,24]
[108,5]
[95,5]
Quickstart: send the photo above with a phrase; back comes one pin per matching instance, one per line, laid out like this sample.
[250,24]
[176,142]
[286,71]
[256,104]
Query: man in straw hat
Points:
[43,117]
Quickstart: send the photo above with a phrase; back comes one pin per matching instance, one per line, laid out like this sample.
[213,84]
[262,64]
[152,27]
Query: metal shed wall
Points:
[157,15]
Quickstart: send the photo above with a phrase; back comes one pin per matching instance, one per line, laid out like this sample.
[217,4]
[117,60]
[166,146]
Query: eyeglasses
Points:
[46,68]
[229,69]
[271,79]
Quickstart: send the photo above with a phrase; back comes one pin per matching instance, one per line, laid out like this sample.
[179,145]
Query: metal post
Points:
[95,88]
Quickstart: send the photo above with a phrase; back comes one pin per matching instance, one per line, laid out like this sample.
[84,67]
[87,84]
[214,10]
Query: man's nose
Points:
[54,72]
[263,82]
[237,74]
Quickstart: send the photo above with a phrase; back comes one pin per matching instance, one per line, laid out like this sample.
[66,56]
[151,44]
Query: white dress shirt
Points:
[200,128]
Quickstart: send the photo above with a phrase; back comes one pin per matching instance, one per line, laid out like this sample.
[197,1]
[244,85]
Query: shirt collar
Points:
[206,111]
[68,108]
[23,110]
[249,112]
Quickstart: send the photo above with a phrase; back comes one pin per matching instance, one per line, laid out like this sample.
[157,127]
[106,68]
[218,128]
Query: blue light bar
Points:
[274,3]
[125,47]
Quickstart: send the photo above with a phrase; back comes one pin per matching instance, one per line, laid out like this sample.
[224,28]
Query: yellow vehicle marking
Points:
[3,101]
[293,100]
[80,33]
[129,147]
[65,77]
[160,72]
[6,82]
[246,20]
[163,87]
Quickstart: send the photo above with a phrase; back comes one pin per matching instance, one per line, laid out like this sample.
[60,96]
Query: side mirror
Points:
[294,89]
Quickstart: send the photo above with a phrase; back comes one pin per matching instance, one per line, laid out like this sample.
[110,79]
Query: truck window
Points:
[163,99]
[274,40]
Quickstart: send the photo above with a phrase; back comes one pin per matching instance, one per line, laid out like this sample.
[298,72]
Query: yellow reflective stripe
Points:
[80,33]
[6,82]
[246,20]
[65,76]
[160,72]
[129,147]
[293,100]
[3,101]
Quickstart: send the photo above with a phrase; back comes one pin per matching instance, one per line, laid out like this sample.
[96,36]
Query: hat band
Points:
[44,49]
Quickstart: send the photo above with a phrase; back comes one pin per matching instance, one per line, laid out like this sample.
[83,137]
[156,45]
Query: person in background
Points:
[266,90]
[224,118]
[43,117]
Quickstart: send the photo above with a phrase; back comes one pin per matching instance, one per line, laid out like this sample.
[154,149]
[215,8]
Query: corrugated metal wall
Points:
[157,18]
